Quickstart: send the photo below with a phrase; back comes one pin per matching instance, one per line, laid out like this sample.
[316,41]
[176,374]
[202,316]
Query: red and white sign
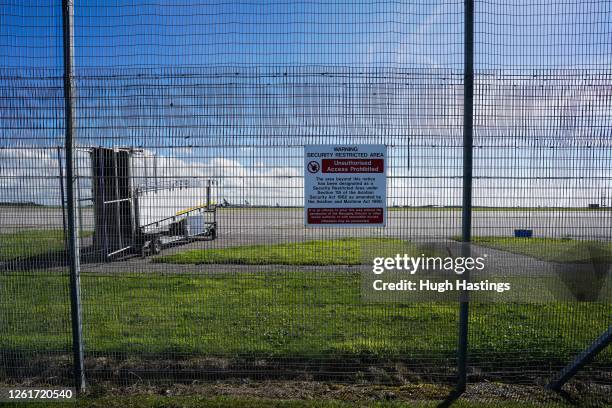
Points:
[345,185]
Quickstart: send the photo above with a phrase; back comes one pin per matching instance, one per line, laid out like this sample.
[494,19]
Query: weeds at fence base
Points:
[136,369]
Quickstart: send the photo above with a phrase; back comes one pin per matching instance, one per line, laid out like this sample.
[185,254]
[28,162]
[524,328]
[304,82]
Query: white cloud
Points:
[532,136]
[33,175]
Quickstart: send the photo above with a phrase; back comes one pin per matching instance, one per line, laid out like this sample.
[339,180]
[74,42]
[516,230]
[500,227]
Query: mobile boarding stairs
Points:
[135,212]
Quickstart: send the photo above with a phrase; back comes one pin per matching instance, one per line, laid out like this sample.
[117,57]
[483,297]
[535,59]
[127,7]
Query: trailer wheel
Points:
[144,249]
[213,234]
[156,246]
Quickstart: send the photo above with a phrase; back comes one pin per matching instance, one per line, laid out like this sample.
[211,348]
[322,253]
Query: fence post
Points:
[62,196]
[73,227]
[466,213]
[466,216]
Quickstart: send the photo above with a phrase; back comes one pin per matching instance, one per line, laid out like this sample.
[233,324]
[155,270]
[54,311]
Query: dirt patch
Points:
[128,368]
[598,395]
[358,380]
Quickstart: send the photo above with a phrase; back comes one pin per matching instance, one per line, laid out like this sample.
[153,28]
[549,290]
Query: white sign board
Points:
[345,185]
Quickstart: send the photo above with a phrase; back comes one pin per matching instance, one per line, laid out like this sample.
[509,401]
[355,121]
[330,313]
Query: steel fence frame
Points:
[228,88]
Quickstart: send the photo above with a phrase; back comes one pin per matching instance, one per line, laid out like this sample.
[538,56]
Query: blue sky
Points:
[231,89]
[508,34]
[182,33]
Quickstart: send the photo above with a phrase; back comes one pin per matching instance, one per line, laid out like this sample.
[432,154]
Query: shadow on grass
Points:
[51,259]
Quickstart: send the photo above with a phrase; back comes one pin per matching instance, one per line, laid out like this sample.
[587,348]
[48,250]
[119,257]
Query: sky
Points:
[233,90]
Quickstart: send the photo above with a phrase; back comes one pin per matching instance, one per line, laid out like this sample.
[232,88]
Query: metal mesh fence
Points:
[207,107]
[542,80]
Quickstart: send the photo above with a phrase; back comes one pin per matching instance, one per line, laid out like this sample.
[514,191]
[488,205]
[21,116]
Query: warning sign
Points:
[345,185]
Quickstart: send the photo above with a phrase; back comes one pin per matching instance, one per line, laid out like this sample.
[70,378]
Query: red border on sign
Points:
[353,166]
[345,215]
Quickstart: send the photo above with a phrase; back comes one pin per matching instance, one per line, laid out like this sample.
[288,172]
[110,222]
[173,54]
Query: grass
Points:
[284,314]
[30,243]
[279,314]
[346,251]
[551,249]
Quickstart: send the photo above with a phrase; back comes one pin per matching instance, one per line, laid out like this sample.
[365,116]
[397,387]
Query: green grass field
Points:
[355,251]
[29,243]
[284,314]
[345,251]
[551,249]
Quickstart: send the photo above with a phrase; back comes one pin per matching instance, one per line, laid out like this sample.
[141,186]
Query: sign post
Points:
[345,185]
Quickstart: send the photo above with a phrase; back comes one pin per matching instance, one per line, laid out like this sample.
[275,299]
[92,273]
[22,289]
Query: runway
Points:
[248,226]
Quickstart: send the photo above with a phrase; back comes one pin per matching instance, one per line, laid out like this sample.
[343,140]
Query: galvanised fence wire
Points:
[207,107]
[542,140]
